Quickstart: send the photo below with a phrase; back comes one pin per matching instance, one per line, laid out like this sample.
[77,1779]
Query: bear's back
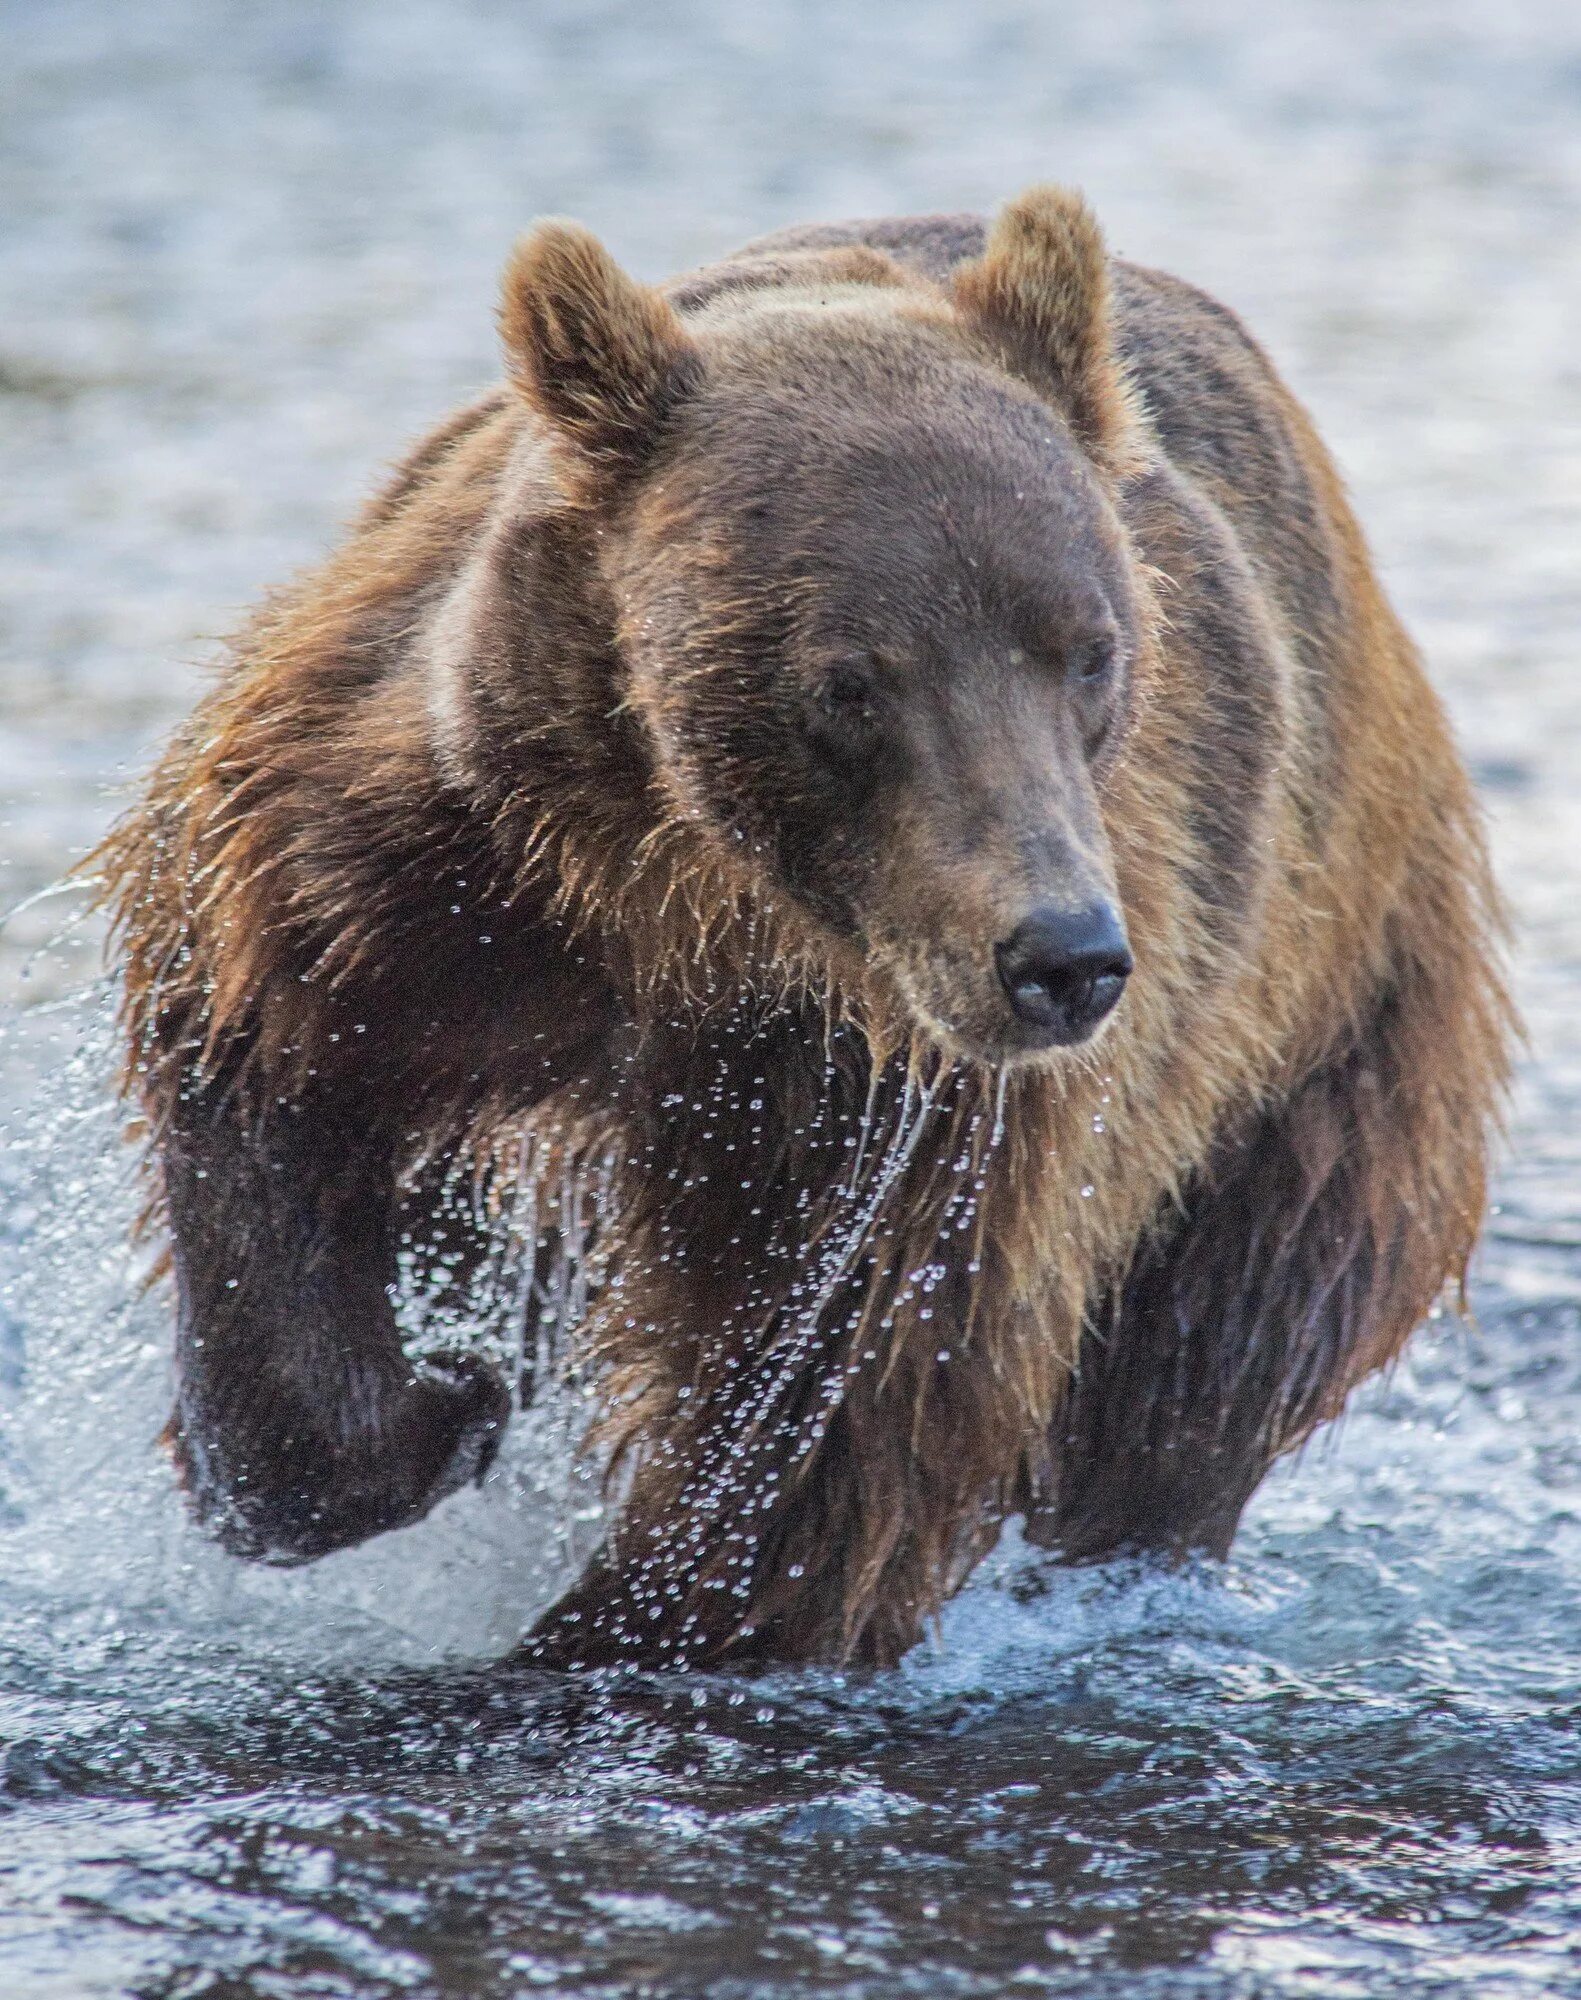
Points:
[1202,376]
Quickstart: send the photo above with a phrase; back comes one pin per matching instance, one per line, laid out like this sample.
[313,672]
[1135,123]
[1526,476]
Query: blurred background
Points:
[247,252]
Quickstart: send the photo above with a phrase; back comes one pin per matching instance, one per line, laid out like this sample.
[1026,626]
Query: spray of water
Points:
[89,1512]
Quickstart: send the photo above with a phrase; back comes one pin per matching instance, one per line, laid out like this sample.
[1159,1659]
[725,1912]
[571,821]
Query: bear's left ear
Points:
[1040,293]
[605,359]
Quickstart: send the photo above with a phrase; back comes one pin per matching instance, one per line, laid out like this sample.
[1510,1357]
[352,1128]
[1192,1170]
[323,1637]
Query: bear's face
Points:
[879,623]
[878,617]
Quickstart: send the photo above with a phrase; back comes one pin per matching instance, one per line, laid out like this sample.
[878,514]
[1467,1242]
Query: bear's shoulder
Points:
[929,245]
[1203,378]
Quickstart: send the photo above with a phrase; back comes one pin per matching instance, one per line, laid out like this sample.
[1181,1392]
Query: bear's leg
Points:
[1311,1245]
[300,1426]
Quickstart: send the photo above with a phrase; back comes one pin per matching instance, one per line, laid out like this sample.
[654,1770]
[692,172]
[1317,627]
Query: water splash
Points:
[89,1510]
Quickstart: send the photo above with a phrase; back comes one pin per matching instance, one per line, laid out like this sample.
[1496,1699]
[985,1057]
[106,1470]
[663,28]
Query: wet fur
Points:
[378,908]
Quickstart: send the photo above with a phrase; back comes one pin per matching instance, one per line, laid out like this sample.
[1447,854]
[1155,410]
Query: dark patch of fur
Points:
[1249,1303]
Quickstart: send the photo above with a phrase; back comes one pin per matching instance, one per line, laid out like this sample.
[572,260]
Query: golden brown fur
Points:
[503,820]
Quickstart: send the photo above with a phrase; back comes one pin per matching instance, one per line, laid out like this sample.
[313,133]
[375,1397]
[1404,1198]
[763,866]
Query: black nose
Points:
[1064,969]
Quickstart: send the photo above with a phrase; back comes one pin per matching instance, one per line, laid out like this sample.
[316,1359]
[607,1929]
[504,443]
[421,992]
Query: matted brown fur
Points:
[502,821]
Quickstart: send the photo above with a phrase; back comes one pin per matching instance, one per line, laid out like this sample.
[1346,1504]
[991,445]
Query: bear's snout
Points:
[1064,970]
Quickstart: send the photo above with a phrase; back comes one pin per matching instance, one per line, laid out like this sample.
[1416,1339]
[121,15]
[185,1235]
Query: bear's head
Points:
[874,606]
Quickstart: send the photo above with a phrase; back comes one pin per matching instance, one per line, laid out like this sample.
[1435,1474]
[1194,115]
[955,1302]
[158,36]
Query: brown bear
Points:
[888,758]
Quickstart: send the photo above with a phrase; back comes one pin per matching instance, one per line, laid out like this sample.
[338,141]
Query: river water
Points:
[247,250]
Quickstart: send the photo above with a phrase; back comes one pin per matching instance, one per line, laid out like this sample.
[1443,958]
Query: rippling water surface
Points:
[245,252]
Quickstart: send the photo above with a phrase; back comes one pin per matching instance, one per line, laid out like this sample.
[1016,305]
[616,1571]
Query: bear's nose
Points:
[1063,970]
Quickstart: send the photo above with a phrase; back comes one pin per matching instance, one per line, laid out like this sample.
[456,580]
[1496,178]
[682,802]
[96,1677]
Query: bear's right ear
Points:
[603,358]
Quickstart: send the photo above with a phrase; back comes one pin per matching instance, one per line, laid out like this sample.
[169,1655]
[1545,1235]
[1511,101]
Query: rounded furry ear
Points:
[603,358]
[1040,293]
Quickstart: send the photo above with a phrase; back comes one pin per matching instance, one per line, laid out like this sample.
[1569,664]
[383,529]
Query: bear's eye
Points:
[1093,660]
[847,693]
